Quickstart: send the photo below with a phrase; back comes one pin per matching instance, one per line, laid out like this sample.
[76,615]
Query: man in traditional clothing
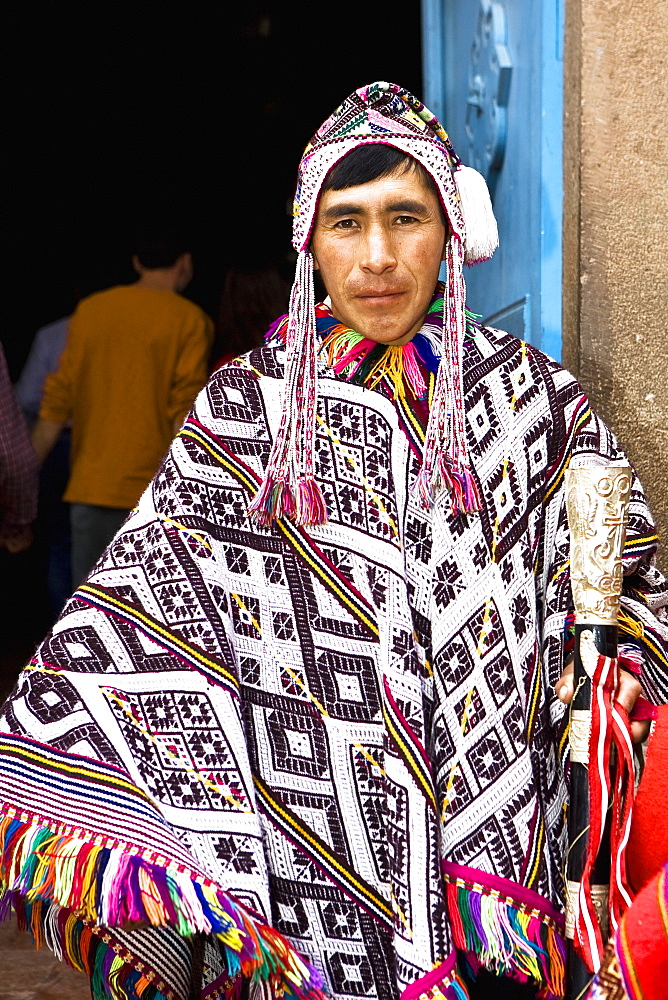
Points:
[300,725]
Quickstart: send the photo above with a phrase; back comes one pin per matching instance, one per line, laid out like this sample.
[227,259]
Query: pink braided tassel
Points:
[444,461]
[413,373]
[289,488]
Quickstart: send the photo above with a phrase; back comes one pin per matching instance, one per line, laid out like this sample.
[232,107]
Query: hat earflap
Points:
[481,231]
[289,488]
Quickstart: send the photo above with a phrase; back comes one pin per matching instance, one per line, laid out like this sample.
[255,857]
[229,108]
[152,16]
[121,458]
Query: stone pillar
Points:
[616,225]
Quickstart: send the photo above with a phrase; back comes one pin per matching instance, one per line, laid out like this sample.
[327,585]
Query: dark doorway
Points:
[122,117]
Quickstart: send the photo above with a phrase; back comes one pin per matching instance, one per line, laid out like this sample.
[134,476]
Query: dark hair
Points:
[253,296]
[370,162]
[160,252]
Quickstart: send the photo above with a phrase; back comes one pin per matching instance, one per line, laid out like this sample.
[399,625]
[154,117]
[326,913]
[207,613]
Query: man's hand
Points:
[628,692]
[45,433]
[17,543]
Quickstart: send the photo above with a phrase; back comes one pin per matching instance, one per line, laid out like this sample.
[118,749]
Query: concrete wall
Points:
[616,225]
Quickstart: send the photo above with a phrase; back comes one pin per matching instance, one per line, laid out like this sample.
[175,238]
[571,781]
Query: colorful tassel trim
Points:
[108,887]
[304,504]
[507,936]
[460,483]
[442,983]
[109,968]
[445,464]
[368,363]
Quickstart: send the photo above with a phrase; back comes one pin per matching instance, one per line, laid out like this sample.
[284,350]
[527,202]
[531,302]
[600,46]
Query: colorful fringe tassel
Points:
[442,983]
[507,936]
[111,973]
[96,885]
[368,363]
[464,492]
[445,464]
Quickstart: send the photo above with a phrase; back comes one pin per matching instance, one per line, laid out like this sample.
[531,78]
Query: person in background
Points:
[54,514]
[136,356]
[18,471]
[43,359]
[253,296]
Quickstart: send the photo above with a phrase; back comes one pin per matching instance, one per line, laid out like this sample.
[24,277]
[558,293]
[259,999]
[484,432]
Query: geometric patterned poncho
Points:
[327,759]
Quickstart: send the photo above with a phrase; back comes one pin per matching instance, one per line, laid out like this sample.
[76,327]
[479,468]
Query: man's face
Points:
[379,247]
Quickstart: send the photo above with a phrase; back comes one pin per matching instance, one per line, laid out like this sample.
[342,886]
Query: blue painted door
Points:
[493,74]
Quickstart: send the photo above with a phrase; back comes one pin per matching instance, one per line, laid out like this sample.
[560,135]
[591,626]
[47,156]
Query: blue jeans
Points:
[93,528]
[54,524]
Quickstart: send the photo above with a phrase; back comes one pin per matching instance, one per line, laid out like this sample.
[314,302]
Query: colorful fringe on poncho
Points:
[72,887]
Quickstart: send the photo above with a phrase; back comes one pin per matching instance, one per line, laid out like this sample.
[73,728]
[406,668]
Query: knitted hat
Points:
[389,115]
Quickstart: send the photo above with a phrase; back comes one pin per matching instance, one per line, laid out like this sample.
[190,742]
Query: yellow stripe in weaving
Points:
[87,588]
[321,848]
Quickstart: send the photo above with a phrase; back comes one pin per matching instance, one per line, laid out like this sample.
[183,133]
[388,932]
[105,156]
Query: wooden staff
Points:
[597,503]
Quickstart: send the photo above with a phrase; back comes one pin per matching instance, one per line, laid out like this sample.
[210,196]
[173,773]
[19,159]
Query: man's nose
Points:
[378,253]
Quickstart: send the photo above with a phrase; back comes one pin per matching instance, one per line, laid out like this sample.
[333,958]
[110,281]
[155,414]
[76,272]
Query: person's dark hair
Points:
[370,162]
[160,252]
[253,297]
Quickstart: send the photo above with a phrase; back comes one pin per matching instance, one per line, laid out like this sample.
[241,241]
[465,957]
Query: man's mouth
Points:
[379,296]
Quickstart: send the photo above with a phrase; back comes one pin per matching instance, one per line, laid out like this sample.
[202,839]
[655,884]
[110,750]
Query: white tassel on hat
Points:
[482,234]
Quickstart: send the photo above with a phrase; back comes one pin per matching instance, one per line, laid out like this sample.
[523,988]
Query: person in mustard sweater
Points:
[136,357]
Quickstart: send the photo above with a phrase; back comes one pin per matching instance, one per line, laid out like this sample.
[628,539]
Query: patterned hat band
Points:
[381,113]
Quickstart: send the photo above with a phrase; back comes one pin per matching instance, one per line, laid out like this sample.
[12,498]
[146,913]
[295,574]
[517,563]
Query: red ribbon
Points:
[611,778]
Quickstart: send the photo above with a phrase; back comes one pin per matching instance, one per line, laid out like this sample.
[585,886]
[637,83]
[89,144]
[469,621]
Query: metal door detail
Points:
[490,70]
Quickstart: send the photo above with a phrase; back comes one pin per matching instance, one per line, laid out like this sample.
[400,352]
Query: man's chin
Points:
[398,337]
[382,328]
[384,324]
[392,332]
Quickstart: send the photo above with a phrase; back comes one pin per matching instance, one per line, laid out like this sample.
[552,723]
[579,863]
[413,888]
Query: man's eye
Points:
[406,220]
[345,224]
